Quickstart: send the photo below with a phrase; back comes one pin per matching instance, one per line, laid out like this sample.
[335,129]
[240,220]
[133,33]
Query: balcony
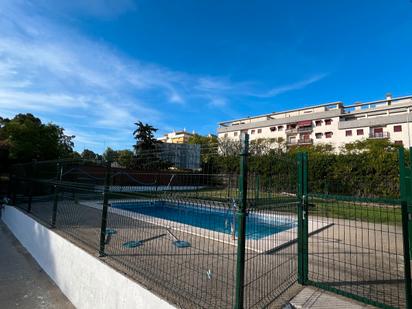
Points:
[305,141]
[379,135]
[291,130]
[302,141]
[305,129]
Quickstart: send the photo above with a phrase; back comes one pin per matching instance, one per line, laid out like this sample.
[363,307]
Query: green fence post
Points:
[229,186]
[56,194]
[305,217]
[104,210]
[408,191]
[241,219]
[300,216]
[406,201]
[33,174]
[256,188]
[303,234]
[157,181]
[13,189]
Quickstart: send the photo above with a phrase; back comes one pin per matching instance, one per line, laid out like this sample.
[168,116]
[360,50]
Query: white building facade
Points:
[331,123]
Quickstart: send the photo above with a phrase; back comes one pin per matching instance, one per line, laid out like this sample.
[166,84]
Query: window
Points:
[280,128]
[291,126]
[318,123]
[318,135]
[398,143]
[235,133]
[328,134]
[328,122]
[348,133]
[397,128]
[252,132]
[225,134]
[272,129]
[259,130]
[359,132]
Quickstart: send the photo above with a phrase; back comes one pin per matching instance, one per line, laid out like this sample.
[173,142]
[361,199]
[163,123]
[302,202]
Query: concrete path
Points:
[317,299]
[23,284]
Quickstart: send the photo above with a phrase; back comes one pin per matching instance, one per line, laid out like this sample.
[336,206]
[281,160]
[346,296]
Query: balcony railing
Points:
[378,135]
[303,141]
[291,130]
[305,129]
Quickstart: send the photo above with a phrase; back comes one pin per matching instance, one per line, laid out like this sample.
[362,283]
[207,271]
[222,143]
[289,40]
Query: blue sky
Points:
[95,67]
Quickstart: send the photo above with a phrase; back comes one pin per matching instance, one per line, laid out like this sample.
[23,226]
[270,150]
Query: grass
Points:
[349,208]
[359,211]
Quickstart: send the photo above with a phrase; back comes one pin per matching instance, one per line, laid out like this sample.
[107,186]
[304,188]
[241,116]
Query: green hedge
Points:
[367,170]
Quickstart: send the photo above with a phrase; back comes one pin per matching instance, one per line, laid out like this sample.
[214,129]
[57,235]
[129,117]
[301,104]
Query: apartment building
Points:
[176,137]
[332,123]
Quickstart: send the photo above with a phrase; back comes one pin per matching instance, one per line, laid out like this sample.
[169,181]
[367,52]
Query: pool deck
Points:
[265,244]
[200,276]
[353,256]
[312,298]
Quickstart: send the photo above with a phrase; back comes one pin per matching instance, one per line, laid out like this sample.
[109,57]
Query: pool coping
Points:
[267,244]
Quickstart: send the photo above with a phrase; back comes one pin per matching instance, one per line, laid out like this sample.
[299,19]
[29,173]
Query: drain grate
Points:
[133,244]
[181,244]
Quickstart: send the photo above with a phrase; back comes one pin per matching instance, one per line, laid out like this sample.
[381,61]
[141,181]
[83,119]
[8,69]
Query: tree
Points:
[369,145]
[125,158]
[28,138]
[110,155]
[144,136]
[88,154]
[208,145]
[208,150]
[229,147]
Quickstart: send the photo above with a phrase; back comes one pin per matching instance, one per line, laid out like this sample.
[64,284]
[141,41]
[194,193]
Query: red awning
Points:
[305,123]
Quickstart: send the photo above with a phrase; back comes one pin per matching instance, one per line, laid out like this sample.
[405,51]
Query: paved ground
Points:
[365,259]
[317,299]
[200,276]
[353,256]
[23,284]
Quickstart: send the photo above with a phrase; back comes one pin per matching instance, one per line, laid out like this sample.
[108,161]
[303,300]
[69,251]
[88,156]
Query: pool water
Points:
[214,219]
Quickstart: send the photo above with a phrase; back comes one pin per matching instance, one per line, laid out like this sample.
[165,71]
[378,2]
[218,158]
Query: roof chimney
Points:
[389,98]
[358,105]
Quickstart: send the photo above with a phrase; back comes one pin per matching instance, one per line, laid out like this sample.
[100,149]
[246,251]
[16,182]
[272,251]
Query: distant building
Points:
[182,156]
[176,137]
[331,123]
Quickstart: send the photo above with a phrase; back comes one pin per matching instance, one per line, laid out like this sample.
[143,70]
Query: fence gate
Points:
[356,247]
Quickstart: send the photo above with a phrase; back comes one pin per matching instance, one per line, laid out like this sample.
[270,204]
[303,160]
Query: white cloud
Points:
[97,8]
[293,86]
[48,68]
[218,102]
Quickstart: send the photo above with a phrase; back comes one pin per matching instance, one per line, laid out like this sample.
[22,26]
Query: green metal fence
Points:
[357,247]
[199,238]
[203,238]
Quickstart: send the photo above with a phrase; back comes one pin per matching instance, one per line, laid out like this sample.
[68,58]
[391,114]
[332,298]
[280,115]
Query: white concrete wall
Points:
[84,279]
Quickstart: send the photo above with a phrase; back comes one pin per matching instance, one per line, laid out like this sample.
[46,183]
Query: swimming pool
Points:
[211,218]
